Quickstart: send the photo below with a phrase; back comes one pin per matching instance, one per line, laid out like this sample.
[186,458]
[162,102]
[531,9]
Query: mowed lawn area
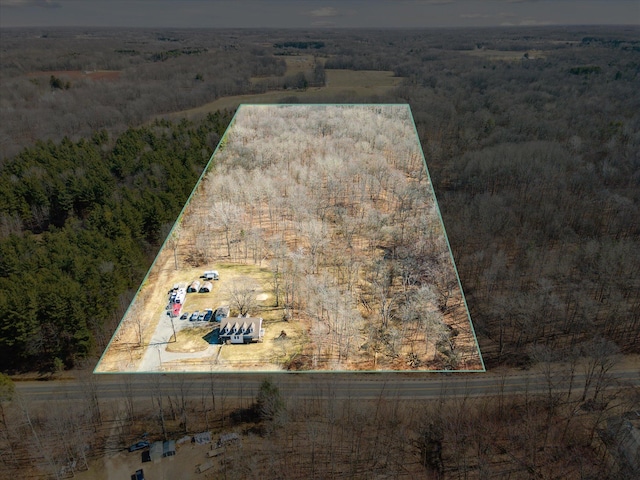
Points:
[195,337]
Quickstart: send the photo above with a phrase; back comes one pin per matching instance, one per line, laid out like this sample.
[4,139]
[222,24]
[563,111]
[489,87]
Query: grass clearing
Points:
[271,350]
[191,339]
[350,84]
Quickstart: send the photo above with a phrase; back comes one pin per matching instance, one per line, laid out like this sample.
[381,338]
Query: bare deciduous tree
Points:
[173,240]
[226,216]
[601,355]
[242,295]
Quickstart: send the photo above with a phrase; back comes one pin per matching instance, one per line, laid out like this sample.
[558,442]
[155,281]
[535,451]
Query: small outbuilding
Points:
[202,438]
[169,448]
[206,287]
[194,287]
[156,451]
[231,438]
[203,467]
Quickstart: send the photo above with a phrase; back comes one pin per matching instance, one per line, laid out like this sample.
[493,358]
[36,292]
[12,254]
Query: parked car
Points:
[138,446]
[184,316]
[208,315]
[201,316]
[194,316]
[221,313]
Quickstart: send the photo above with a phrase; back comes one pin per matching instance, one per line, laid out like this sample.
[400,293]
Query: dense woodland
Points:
[81,222]
[535,163]
[337,202]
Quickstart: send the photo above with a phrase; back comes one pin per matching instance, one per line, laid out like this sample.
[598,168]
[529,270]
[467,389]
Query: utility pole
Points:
[159,357]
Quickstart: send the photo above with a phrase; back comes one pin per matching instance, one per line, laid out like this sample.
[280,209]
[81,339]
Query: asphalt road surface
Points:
[316,385]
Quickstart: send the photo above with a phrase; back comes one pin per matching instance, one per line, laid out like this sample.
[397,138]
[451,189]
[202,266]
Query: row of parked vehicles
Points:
[198,316]
[207,315]
[178,295]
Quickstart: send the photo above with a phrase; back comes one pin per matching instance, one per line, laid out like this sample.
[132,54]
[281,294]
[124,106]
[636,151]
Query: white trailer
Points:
[211,275]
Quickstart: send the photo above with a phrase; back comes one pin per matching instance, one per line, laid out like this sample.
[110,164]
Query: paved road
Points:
[362,386]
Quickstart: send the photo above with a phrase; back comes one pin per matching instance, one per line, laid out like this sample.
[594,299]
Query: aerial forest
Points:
[338,200]
[530,136]
[335,204]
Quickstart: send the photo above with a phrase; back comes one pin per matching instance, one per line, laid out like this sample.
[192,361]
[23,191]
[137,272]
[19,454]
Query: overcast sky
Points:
[315,13]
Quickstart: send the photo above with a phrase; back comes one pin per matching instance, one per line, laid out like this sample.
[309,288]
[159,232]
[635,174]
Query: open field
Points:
[294,64]
[340,83]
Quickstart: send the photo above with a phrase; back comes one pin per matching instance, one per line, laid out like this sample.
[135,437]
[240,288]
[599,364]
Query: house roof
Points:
[229,437]
[250,327]
[204,437]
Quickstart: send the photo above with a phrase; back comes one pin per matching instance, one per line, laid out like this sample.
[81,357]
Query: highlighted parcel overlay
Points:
[312,242]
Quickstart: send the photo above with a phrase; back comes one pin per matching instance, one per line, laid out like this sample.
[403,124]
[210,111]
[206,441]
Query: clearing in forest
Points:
[323,226]
[339,83]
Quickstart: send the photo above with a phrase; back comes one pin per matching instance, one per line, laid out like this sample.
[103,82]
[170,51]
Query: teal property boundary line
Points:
[206,170]
[176,224]
[446,237]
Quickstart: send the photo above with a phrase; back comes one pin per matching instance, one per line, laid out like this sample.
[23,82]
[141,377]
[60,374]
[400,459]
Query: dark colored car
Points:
[184,316]
[138,446]
[208,315]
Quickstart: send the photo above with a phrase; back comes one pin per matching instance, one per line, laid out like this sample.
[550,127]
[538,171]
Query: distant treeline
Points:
[145,74]
[80,223]
[624,44]
[300,45]
[167,54]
